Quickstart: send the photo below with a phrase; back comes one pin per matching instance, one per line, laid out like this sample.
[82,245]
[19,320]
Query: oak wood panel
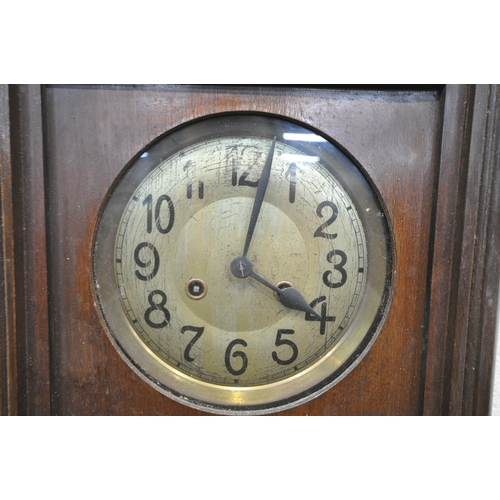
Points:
[92,132]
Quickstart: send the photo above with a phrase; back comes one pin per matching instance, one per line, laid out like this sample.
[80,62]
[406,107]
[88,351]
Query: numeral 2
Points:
[319,211]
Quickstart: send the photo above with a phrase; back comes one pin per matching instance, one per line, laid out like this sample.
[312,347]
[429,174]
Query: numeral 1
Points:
[292,173]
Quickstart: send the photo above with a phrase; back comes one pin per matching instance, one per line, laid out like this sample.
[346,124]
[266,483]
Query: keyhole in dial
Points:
[196,288]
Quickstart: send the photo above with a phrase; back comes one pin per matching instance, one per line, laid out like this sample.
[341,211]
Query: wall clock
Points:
[72,159]
[243,264]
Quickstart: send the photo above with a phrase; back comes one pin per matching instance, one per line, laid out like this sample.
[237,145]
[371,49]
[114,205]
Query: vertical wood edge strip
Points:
[8,340]
[31,257]
[491,288]
[469,267]
[482,262]
[464,288]
[445,254]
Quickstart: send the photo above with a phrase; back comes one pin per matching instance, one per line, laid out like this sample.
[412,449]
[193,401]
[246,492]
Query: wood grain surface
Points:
[432,153]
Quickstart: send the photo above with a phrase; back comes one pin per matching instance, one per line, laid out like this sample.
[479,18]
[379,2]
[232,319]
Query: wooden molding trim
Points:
[464,287]
[8,341]
[29,303]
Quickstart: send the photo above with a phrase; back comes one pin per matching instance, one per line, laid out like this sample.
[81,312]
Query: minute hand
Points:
[259,197]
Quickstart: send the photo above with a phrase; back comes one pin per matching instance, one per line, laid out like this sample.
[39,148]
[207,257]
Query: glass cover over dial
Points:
[242,264]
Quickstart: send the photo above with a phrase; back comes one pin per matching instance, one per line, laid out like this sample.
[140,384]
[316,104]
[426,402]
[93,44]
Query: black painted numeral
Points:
[236,354]
[235,159]
[324,315]
[148,201]
[280,341]
[157,306]
[292,174]
[319,211]
[243,179]
[201,190]
[146,263]
[338,266]
[198,331]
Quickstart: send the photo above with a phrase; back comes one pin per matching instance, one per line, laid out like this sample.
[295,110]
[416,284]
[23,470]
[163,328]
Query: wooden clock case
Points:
[432,151]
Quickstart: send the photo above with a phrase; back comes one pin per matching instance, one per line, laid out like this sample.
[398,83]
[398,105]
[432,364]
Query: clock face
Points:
[242,264]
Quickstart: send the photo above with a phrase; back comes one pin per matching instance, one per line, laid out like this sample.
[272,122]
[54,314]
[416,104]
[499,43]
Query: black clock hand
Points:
[259,197]
[290,297]
[242,267]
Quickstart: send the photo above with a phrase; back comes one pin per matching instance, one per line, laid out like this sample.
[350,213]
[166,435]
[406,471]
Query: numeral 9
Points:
[143,264]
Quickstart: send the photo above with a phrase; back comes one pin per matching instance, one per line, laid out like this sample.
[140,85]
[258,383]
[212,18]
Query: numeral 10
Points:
[148,201]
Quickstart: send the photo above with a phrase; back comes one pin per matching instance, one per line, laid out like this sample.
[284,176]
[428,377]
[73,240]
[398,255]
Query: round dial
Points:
[242,264]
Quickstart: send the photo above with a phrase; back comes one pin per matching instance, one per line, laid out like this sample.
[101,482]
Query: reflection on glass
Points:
[303,137]
[300,158]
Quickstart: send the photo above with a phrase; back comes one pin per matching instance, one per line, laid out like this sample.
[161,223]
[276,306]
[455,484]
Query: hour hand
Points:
[290,297]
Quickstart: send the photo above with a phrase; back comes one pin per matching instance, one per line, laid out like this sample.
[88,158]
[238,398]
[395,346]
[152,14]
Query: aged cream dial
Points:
[237,267]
